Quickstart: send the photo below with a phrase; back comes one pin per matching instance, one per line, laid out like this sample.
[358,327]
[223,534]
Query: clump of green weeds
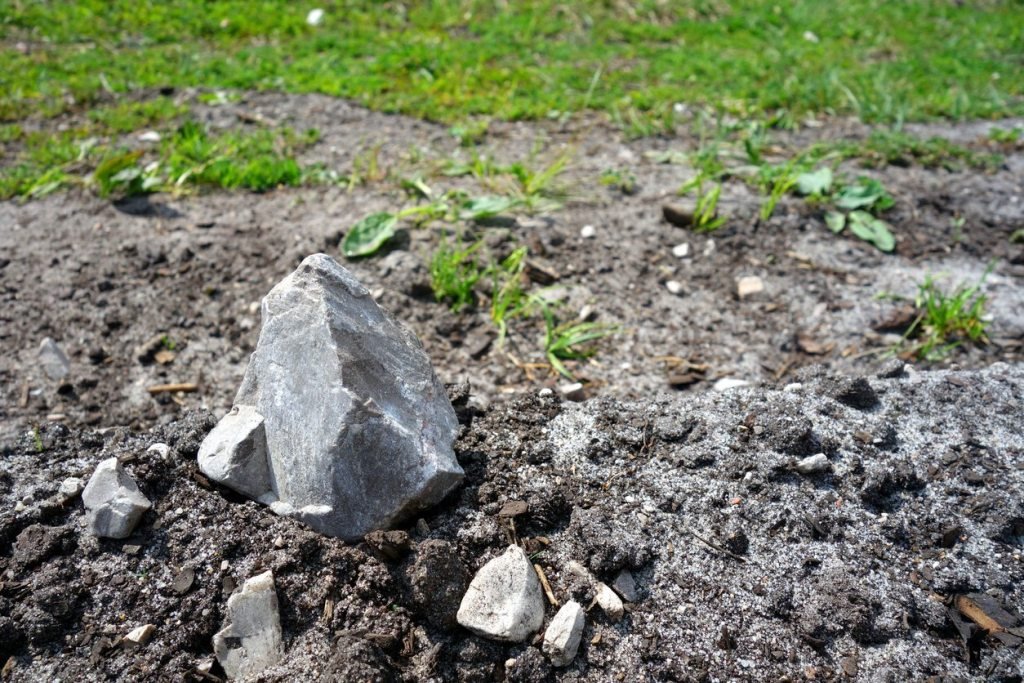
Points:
[946,320]
[573,340]
[618,179]
[454,273]
[508,297]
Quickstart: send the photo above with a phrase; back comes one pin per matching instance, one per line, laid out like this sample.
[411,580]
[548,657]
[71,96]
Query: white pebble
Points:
[588,232]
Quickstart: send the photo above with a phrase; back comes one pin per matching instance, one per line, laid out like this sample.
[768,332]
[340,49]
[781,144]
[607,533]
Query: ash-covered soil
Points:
[746,569]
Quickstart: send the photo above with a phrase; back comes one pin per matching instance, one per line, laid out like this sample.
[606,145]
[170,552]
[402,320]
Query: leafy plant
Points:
[121,173]
[815,183]
[369,234]
[489,206]
[866,193]
[508,298]
[569,341]
[945,321]
[623,181]
[454,273]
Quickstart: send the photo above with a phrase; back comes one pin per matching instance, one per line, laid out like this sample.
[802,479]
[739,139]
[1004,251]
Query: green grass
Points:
[459,60]
[188,157]
[946,320]
[454,272]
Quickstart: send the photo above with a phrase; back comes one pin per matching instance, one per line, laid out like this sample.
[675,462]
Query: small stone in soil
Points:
[505,601]
[113,500]
[588,232]
[184,580]
[727,383]
[681,250]
[609,602]
[52,359]
[562,637]
[674,287]
[814,464]
[572,392]
[747,287]
[138,637]
[70,487]
[250,640]
[625,585]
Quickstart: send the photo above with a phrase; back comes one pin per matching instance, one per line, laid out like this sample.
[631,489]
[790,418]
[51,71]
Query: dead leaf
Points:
[811,346]
[164,357]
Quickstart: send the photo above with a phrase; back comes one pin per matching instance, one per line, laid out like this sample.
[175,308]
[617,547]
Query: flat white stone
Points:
[562,637]
[250,640]
[681,250]
[608,601]
[727,383]
[504,601]
[70,487]
[140,636]
[588,232]
[674,287]
[114,501]
[749,286]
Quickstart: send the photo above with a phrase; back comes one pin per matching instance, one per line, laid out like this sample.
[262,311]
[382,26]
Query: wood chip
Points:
[185,387]
[547,586]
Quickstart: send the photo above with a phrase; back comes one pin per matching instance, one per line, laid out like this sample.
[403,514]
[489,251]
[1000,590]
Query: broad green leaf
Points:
[836,221]
[486,207]
[873,230]
[866,193]
[816,182]
[369,234]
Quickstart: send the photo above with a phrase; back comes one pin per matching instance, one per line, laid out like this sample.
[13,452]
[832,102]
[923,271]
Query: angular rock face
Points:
[251,638]
[113,500]
[235,453]
[358,429]
[504,600]
[562,637]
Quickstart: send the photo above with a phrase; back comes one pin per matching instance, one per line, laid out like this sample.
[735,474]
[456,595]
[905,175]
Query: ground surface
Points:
[855,591]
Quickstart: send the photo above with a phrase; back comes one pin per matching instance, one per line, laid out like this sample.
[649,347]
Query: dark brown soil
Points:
[856,591]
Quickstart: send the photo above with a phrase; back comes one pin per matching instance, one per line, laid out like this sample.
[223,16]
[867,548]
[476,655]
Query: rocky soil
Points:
[879,561]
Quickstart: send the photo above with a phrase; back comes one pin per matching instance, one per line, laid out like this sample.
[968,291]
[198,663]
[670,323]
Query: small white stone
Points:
[681,250]
[674,287]
[609,602]
[138,637]
[250,640]
[572,392]
[814,464]
[588,232]
[113,500]
[314,17]
[794,386]
[149,136]
[727,383]
[562,637]
[709,248]
[546,391]
[161,449]
[749,286]
[71,487]
[504,601]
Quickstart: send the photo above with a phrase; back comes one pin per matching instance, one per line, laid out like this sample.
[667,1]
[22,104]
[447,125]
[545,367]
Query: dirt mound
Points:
[745,567]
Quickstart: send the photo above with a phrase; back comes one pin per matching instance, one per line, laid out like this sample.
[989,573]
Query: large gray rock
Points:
[114,501]
[250,640]
[358,429]
[504,601]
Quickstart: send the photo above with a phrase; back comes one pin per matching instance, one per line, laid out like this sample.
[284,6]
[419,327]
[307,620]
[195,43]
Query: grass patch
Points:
[946,320]
[187,158]
[454,272]
[457,60]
